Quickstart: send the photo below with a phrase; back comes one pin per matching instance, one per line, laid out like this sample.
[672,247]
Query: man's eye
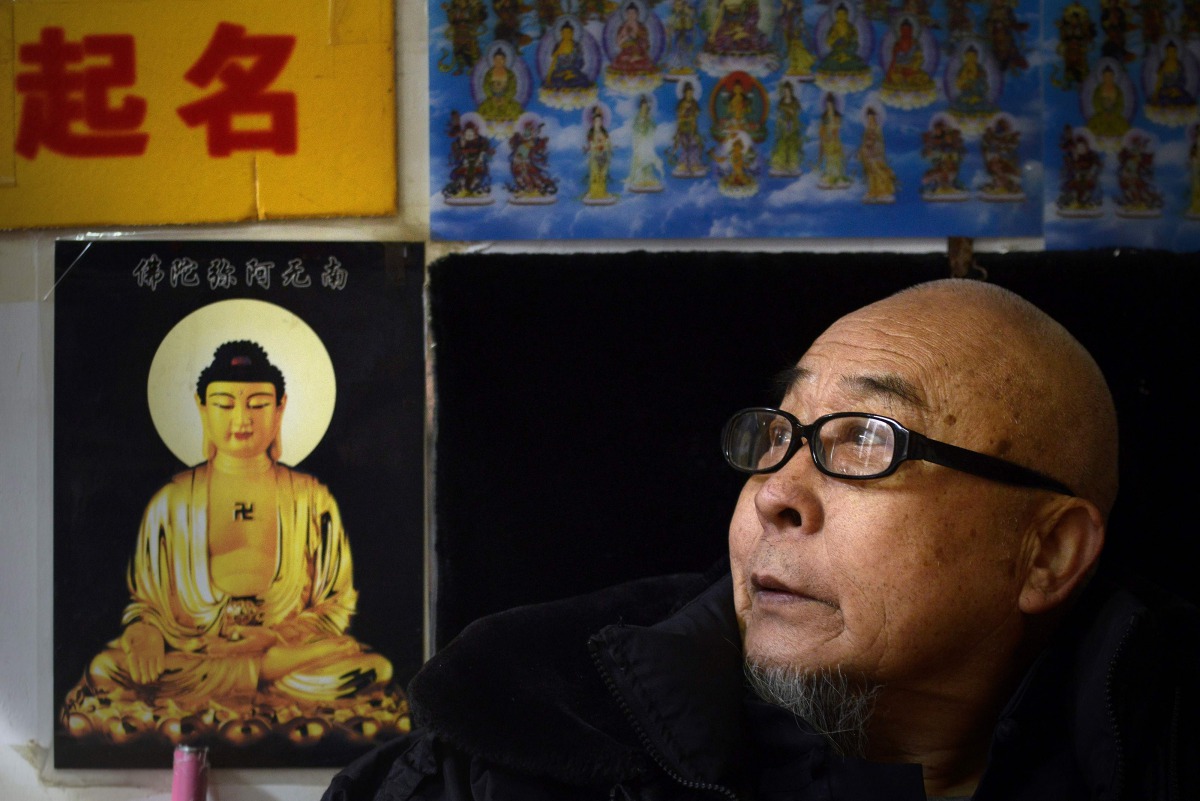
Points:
[861,435]
[779,435]
[865,436]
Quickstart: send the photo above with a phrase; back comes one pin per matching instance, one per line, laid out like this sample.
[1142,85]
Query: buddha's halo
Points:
[291,345]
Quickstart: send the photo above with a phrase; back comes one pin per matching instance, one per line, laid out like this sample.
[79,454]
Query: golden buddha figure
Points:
[241,594]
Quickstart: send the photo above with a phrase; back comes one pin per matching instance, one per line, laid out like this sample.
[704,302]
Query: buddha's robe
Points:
[309,602]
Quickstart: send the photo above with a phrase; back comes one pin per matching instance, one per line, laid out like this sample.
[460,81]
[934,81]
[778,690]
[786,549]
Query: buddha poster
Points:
[1122,124]
[238,499]
[601,119]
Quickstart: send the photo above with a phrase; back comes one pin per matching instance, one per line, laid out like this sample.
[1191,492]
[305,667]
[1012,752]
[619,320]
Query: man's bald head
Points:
[930,583]
[1051,407]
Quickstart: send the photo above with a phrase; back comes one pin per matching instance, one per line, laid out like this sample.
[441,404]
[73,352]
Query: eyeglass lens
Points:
[846,445]
[855,446]
[758,439]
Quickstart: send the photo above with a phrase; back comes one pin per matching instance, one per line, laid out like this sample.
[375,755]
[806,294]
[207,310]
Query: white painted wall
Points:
[26,527]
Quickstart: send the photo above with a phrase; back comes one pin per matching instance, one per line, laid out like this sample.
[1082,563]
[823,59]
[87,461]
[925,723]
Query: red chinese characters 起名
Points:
[63,95]
[71,102]
[244,92]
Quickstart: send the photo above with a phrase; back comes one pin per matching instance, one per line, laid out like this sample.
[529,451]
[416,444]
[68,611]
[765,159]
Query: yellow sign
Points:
[129,112]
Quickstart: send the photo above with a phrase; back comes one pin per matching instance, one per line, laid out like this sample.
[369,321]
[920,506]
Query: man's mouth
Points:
[243,435]
[771,589]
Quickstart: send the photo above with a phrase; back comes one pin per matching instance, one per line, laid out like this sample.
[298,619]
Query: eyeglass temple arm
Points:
[980,464]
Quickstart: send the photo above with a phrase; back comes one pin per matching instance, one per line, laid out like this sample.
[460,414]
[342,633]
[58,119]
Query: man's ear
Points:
[1068,541]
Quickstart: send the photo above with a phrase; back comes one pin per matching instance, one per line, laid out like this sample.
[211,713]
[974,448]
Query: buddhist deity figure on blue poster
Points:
[634,42]
[872,154]
[528,161]
[756,118]
[843,41]
[909,58]
[787,156]
[568,61]
[1122,88]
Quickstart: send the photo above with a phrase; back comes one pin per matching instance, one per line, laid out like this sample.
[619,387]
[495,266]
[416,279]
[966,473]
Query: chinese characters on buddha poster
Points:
[734,118]
[1122,157]
[238,499]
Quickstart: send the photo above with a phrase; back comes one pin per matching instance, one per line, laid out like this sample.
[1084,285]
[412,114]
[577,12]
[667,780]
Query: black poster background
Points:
[109,460]
[581,399]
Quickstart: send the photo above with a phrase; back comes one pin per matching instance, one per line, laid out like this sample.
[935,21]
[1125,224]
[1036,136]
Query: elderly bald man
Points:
[906,612]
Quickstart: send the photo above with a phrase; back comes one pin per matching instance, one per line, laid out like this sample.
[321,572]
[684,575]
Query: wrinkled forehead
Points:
[892,360]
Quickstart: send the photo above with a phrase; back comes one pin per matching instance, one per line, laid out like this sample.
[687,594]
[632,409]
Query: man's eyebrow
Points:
[788,377]
[888,385]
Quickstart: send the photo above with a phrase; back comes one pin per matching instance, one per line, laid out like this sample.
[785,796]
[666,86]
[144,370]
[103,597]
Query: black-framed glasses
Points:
[857,445]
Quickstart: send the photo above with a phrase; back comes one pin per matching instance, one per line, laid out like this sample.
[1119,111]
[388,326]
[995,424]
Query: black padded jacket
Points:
[636,692]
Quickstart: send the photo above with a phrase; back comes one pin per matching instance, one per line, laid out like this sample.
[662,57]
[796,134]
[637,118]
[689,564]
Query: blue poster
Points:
[602,119]
[1122,161]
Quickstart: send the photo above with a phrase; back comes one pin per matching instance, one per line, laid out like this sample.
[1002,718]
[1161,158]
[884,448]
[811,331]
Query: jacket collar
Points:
[670,682]
[520,689]
[679,684]
[1090,698]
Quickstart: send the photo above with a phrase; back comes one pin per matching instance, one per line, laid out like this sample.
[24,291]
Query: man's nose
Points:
[787,501]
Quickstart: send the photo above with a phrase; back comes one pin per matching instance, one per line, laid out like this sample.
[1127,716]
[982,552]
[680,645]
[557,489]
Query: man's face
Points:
[898,579]
[241,418]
